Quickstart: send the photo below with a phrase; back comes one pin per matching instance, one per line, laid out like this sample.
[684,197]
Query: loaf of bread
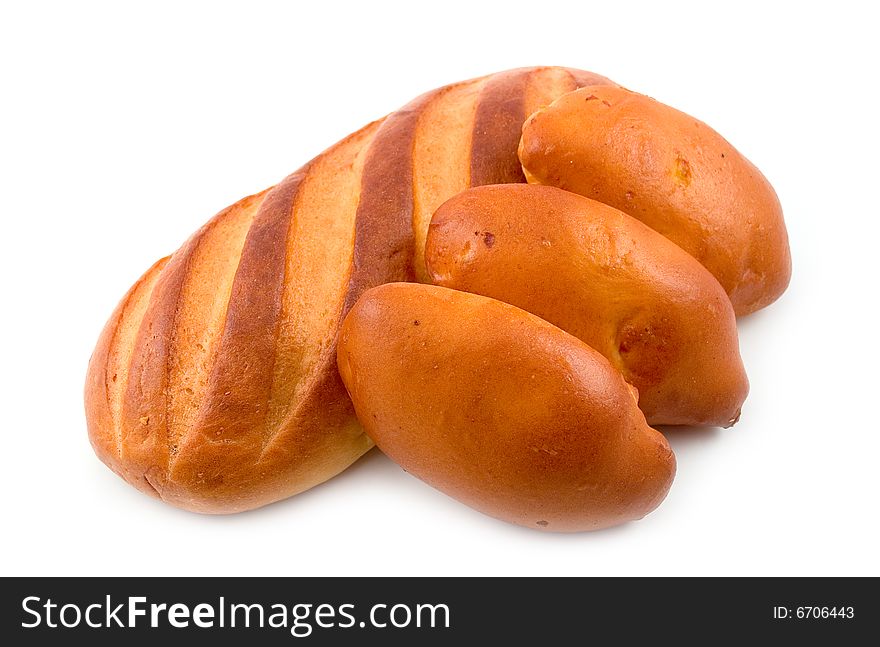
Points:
[214,385]
[649,307]
[673,173]
[500,409]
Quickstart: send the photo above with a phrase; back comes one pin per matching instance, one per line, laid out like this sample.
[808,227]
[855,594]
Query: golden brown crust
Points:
[500,409]
[237,400]
[108,373]
[497,123]
[582,79]
[649,307]
[225,457]
[383,248]
[673,173]
[234,400]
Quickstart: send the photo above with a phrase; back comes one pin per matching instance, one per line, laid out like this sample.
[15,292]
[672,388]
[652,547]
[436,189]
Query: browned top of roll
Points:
[500,409]
[672,172]
[633,295]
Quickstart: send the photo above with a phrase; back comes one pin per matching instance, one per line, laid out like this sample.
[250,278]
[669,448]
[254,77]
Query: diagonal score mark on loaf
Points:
[237,394]
[118,368]
[380,196]
[175,342]
[202,310]
[319,264]
[383,244]
[278,345]
[109,370]
[497,127]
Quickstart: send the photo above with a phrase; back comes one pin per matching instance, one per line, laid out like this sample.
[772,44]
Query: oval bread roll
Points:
[673,173]
[213,385]
[500,409]
[649,307]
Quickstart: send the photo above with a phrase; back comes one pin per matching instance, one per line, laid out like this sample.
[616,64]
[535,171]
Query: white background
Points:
[124,128]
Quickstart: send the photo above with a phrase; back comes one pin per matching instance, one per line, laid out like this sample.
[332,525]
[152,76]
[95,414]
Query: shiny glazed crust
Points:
[500,409]
[636,297]
[673,173]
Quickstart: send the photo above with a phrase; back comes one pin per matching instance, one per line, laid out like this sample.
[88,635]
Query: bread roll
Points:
[673,173]
[500,409]
[214,384]
[649,307]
